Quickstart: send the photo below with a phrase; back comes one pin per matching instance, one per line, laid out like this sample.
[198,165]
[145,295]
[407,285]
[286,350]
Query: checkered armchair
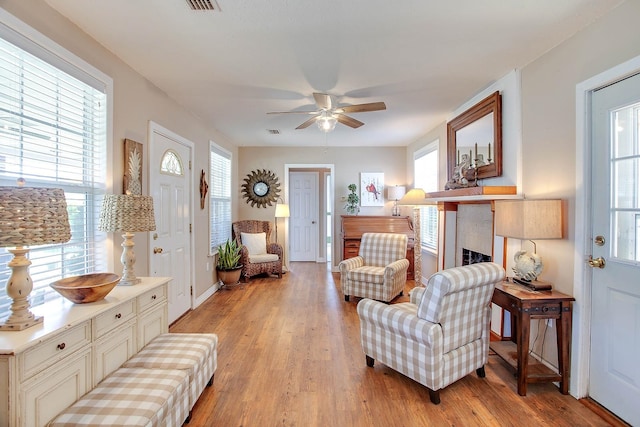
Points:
[440,336]
[379,271]
[259,254]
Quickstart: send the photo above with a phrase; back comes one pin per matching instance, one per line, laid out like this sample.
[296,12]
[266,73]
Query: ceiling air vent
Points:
[203,5]
[273,131]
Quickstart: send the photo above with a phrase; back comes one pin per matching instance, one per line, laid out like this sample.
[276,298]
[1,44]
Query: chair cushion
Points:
[132,397]
[257,259]
[256,243]
[369,274]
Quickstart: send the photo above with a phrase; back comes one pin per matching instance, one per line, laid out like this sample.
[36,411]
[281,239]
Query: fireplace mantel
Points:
[494,192]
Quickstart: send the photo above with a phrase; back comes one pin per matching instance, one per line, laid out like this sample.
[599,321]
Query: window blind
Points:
[53,134]
[426,177]
[219,196]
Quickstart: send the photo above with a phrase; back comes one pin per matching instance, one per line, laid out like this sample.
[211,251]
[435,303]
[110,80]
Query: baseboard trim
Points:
[603,412]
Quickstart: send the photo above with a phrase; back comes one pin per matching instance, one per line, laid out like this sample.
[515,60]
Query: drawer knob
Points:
[153,296]
[61,346]
[118,316]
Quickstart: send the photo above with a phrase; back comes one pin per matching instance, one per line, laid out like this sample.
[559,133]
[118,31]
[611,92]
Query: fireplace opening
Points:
[472,257]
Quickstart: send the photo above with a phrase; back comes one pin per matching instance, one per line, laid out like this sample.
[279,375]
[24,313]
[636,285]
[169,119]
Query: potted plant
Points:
[229,267]
[352,200]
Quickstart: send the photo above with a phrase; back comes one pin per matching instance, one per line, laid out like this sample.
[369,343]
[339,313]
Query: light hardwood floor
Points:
[289,355]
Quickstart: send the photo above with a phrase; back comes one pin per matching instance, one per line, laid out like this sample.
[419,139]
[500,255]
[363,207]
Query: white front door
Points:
[303,223]
[614,378]
[170,186]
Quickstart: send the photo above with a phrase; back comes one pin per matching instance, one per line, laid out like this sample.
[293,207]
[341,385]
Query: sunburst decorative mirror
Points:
[261,188]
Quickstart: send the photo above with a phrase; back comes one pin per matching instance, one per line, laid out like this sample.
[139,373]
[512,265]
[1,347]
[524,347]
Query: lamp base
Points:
[21,325]
[19,286]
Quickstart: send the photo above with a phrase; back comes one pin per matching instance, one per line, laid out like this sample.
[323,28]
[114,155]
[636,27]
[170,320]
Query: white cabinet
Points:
[46,368]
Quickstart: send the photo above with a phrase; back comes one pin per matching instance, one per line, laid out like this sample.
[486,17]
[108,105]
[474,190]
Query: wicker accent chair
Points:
[379,271]
[266,259]
[441,335]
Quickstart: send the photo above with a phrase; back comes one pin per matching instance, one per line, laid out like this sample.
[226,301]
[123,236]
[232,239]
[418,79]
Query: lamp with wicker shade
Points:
[28,217]
[130,214]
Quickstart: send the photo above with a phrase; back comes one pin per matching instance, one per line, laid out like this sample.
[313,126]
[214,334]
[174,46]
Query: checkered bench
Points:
[132,397]
[196,354]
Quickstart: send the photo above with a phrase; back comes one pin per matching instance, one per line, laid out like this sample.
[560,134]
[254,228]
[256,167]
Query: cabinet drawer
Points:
[152,298]
[48,352]
[113,318]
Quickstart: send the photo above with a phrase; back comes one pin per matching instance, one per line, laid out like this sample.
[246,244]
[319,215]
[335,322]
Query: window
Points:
[53,133]
[219,196]
[425,166]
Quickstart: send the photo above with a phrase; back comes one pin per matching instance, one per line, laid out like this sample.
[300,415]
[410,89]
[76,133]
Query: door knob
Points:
[157,250]
[596,262]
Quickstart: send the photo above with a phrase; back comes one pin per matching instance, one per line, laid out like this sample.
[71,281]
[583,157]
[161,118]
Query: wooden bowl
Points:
[86,288]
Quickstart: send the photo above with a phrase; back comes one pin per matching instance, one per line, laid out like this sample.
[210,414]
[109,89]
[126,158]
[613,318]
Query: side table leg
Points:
[563,340]
[524,325]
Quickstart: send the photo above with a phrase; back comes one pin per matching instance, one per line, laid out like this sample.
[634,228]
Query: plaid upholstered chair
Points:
[379,271]
[259,254]
[440,336]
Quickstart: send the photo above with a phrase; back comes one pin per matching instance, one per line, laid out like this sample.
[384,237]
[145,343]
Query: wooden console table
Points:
[525,305]
[354,226]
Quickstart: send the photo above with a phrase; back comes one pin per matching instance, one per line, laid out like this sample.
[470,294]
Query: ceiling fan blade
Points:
[308,123]
[293,112]
[362,108]
[349,121]
[323,101]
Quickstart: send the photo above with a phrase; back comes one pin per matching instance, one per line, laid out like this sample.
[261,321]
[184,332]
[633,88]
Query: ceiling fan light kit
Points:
[329,114]
[326,122]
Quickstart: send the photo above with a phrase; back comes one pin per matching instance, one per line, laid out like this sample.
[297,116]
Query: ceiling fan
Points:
[329,113]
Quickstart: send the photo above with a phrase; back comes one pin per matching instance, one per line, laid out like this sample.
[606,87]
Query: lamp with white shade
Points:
[528,220]
[28,217]
[396,193]
[130,214]
[282,211]
[416,197]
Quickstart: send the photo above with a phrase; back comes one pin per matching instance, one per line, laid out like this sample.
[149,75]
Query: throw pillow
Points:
[256,243]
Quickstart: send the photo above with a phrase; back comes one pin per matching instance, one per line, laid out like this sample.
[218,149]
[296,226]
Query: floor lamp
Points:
[129,214]
[282,211]
[28,217]
[415,198]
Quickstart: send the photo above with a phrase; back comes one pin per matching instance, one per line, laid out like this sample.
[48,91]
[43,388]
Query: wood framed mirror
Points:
[477,133]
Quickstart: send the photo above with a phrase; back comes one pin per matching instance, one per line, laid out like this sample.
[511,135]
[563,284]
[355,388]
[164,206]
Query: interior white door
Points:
[614,379]
[303,223]
[170,244]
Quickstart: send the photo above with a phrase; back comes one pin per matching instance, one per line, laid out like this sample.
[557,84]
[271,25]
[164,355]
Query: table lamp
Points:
[395,194]
[28,217]
[130,214]
[528,220]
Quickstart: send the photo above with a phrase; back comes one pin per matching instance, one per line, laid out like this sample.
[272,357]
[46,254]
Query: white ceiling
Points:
[423,58]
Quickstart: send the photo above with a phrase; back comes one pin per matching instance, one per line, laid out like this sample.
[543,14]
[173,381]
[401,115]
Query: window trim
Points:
[424,151]
[213,147]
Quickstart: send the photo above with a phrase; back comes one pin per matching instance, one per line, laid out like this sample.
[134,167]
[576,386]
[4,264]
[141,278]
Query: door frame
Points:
[314,166]
[580,341]
[158,129]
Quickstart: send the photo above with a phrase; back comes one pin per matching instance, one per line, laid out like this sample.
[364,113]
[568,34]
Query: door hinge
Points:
[189,164]
[190,228]
[190,290]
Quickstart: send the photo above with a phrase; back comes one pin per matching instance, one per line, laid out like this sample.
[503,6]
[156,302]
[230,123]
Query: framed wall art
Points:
[371,189]
[132,183]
